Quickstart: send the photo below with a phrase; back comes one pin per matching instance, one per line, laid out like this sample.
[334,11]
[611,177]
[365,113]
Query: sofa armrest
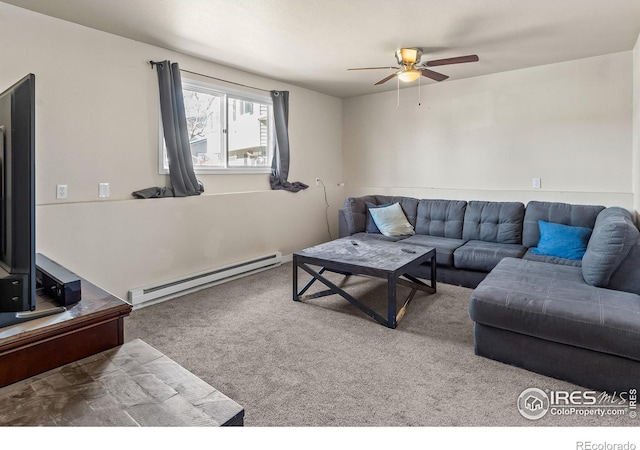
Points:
[343,228]
[627,275]
[614,235]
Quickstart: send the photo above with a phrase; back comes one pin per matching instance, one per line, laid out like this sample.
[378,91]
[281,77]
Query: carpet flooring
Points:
[322,362]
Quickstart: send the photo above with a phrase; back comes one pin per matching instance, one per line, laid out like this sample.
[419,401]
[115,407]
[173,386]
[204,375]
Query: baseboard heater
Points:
[148,295]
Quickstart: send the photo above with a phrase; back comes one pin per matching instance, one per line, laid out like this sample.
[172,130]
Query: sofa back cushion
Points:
[355,210]
[583,216]
[627,275]
[441,218]
[499,222]
[614,234]
[355,213]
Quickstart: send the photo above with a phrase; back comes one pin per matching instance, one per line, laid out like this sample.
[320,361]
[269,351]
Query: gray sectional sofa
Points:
[470,238]
[576,320]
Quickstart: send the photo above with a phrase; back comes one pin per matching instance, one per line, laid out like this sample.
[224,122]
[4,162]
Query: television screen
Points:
[17,196]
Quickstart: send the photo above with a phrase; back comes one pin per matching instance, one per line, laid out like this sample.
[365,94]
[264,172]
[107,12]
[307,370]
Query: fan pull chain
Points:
[398,105]
[419,93]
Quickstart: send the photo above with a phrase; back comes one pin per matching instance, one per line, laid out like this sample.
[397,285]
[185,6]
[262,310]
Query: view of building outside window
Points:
[248,133]
[245,143]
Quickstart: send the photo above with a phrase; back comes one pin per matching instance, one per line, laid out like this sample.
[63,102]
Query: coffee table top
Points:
[380,255]
[130,385]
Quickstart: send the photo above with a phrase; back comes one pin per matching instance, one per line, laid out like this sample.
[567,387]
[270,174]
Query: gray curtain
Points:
[280,162]
[174,123]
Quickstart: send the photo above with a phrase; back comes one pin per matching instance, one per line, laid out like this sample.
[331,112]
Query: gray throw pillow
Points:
[613,236]
[391,220]
[371,225]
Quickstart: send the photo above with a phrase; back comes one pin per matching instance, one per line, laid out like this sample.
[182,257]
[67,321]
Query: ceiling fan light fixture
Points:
[410,68]
[409,75]
[409,55]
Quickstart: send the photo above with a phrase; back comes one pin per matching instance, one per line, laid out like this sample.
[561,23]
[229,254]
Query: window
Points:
[229,131]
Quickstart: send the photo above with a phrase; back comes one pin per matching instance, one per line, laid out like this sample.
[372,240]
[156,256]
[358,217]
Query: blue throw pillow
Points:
[371,225]
[562,241]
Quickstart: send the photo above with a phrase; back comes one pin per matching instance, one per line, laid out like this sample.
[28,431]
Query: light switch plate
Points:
[103,190]
[536,183]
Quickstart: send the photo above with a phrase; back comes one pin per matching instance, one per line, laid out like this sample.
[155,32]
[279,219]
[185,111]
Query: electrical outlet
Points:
[61,191]
[317,181]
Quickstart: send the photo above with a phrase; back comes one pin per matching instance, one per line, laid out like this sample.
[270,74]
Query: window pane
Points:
[204,126]
[227,130]
[248,133]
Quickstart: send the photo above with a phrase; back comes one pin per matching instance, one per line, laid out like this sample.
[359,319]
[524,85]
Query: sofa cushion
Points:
[484,256]
[553,302]
[355,213]
[444,246]
[551,259]
[613,236]
[442,218]
[573,215]
[391,220]
[562,241]
[627,275]
[493,222]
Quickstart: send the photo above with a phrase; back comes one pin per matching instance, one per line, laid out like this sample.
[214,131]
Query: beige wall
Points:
[483,138]
[487,137]
[636,128]
[97,121]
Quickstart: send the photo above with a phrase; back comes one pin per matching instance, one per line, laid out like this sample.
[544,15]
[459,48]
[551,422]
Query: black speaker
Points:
[57,282]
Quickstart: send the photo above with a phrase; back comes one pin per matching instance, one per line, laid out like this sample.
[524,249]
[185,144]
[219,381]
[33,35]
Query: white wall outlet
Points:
[536,184]
[61,191]
[103,190]
[317,181]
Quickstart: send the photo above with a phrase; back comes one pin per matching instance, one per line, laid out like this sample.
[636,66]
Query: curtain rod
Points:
[153,63]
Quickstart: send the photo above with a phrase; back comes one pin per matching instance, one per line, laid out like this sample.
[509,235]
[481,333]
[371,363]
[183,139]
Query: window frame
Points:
[227,93]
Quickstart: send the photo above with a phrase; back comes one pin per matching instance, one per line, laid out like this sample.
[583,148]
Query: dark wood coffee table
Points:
[391,261]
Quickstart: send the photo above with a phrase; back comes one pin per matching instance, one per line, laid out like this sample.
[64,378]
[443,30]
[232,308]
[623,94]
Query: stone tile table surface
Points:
[130,385]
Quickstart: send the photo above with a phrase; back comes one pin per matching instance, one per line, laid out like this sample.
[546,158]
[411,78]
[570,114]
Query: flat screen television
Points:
[18,204]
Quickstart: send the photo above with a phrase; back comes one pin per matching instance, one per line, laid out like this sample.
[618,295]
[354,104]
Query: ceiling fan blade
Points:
[433,75]
[456,60]
[384,80]
[372,68]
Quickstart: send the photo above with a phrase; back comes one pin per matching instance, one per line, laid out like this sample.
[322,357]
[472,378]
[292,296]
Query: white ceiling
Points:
[311,43]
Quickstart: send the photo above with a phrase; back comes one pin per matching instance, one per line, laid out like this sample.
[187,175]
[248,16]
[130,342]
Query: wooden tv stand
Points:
[93,325]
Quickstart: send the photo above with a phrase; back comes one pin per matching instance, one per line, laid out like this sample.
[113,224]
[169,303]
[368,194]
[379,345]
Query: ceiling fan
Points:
[411,69]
